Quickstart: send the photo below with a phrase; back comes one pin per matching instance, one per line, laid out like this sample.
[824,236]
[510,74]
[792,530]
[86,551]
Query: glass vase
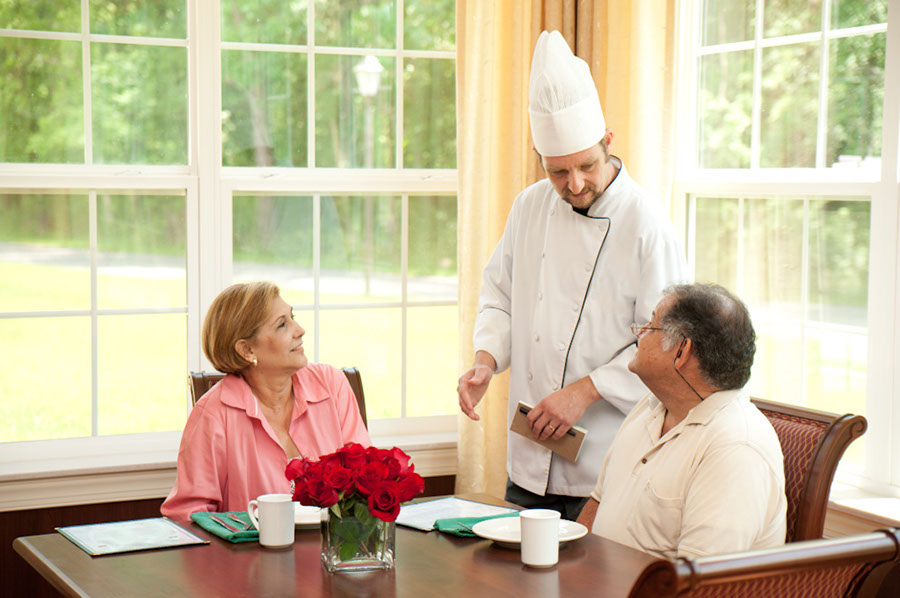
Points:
[357,544]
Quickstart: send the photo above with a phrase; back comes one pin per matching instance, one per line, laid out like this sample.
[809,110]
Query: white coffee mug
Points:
[540,537]
[274,519]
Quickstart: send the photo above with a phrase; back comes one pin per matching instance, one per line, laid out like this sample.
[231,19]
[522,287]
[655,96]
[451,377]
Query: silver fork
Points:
[224,523]
[238,520]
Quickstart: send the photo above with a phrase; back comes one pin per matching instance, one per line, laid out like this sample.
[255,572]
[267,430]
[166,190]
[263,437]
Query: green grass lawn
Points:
[142,359]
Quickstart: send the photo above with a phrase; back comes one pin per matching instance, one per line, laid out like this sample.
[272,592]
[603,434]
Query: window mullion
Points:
[805,259]
[317,271]
[822,119]
[404,271]
[95,370]
[756,110]
[86,82]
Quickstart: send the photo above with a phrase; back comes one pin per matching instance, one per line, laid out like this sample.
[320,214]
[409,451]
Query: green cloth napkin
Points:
[214,527]
[462,526]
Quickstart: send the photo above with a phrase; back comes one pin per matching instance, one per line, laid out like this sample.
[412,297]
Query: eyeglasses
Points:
[641,330]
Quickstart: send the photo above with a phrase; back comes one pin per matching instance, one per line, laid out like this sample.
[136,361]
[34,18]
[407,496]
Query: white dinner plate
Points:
[305,516]
[506,532]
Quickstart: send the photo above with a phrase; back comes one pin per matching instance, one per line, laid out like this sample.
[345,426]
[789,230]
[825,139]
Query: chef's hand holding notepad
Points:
[568,446]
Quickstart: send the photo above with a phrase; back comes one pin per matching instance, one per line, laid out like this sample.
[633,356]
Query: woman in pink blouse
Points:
[272,407]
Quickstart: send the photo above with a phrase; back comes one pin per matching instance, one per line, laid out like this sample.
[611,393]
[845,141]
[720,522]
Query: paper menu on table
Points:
[127,536]
[422,515]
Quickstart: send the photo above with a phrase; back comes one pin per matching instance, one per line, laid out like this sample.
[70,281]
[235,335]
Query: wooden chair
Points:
[200,382]
[813,443]
[836,568]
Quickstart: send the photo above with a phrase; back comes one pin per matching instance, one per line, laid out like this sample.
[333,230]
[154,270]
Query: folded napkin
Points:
[214,527]
[462,526]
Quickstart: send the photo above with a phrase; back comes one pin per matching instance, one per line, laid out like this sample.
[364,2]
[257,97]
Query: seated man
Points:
[696,469]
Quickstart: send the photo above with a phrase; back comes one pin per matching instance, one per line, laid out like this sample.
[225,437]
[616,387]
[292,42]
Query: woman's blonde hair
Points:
[235,314]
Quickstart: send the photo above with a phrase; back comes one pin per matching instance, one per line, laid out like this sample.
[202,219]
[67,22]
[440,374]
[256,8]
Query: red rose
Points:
[368,478]
[331,460]
[296,468]
[322,493]
[402,459]
[384,501]
[353,456]
[338,476]
[410,486]
[301,492]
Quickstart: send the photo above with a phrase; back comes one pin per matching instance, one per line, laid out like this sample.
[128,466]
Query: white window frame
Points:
[881,473]
[136,466]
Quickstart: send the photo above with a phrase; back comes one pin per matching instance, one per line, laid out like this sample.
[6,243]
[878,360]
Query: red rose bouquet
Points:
[361,488]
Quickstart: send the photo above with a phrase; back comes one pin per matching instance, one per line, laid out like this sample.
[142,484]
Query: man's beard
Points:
[585,200]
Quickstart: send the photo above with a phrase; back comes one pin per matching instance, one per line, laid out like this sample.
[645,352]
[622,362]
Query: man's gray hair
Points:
[719,326]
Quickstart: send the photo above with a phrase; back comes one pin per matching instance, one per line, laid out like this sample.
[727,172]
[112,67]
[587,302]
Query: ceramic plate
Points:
[307,516]
[506,532]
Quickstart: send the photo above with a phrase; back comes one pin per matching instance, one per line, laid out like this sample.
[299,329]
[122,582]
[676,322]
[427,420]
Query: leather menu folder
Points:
[567,447]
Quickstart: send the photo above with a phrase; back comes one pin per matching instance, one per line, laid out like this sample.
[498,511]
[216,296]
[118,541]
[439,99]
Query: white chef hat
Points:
[562,101]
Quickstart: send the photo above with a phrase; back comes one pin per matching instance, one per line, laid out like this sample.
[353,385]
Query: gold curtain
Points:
[629,45]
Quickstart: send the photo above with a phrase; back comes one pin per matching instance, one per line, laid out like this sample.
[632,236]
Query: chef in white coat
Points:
[585,253]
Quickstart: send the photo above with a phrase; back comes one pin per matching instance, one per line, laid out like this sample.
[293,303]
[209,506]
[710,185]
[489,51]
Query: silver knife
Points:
[223,523]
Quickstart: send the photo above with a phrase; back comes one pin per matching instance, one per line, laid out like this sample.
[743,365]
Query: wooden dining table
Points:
[426,564]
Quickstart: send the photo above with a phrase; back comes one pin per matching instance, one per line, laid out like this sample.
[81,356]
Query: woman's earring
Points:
[255,362]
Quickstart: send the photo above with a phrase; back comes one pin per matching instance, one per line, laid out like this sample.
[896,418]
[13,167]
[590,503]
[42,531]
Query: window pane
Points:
[790,102]
[41,15]
[432,249]
[41,106]
[429,113]
[139,96]
[853,13]
[37,405]
[839,261]
[716,241]
[837,377]
[142,251]
[273,240]
[429,25]
[353,130]
[147,18]
[265,21]
[263,109]
[360,249]
[856,78]
[129,400]
[777,373]
[726,97]
[44,260]
[773,256]
[728,21]
[359,24]
[789,17]
[431,360]
[368,339]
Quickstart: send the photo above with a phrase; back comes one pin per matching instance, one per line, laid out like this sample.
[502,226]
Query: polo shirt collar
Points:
[236,393]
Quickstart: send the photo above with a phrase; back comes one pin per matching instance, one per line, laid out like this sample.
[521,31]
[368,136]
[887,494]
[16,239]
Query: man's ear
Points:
[684,350]
[609,138]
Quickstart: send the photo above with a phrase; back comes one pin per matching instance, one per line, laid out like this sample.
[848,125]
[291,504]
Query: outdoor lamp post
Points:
[368,78]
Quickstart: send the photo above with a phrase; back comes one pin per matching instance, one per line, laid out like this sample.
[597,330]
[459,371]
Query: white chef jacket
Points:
[713,484]
[558,297]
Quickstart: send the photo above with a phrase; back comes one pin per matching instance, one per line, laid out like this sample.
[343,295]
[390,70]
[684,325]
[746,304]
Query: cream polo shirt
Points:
[713,484]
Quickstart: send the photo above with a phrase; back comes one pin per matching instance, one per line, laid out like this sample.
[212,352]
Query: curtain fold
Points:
[629,46]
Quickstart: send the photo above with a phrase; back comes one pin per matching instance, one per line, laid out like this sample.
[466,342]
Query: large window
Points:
[782,185]
[153,152]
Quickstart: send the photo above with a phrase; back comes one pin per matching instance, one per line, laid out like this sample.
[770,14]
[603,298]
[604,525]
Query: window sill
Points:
[121,476]
[855,510]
